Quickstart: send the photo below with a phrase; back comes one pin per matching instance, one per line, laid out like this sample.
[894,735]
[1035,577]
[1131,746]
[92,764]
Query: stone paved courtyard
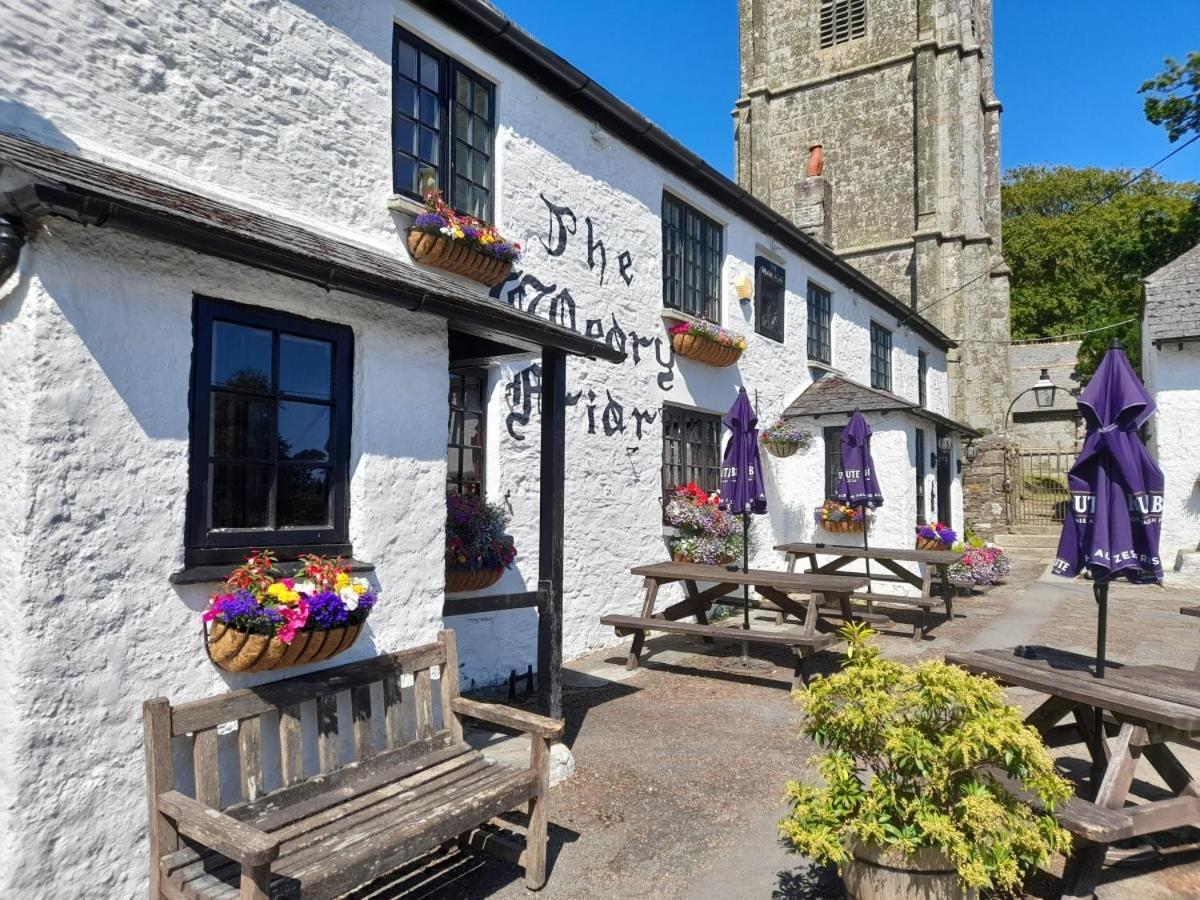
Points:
[680,768]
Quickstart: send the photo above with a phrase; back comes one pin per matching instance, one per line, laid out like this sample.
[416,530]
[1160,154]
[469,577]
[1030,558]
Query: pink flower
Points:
[289,584]
[294,618]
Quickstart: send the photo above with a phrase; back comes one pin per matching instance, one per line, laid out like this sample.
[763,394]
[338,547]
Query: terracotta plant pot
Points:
[704,351]
[238,651]
[455,256]
[459,580]
[924,543]
[782,449]
[928,875]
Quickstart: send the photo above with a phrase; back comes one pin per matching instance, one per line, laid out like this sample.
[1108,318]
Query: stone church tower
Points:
[899,95]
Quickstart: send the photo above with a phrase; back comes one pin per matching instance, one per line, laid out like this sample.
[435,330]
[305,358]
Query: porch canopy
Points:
[93,193]
[835,395]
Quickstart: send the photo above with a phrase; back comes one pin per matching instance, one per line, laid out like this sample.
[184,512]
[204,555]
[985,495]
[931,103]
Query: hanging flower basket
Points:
[459,581]
[707,343]
[262,621]
[931,544]
[935,536]
[453,256]
[460,244]
[837,518]
[782,449]
[783,438]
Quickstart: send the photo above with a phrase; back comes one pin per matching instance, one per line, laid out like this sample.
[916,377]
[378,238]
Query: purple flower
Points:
[429,220]
[326,610]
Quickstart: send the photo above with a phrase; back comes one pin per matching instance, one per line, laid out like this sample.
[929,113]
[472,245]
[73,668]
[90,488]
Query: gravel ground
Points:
[680,768]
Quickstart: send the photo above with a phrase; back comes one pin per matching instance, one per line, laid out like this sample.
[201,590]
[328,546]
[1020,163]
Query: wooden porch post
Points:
[550,543]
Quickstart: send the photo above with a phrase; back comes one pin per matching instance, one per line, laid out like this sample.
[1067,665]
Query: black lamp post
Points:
[1043,394]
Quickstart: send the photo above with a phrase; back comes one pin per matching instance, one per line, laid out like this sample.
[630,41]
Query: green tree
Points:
[1174,97]
[1078,254]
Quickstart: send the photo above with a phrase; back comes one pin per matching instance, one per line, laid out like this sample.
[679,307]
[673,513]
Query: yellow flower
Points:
[342,580]
[281,594]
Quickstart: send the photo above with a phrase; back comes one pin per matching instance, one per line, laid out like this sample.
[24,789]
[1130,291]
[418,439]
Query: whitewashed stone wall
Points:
[287,106]
[1173,376]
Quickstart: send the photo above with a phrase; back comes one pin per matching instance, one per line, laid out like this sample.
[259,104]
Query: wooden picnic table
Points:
[890,558]
[776,587]
[1154,706]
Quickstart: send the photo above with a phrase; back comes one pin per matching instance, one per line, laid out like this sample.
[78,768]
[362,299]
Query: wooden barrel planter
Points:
[460,580]
[869,875]
[454,256]
[239,651]
[924,543]
[705,351]
[782,449]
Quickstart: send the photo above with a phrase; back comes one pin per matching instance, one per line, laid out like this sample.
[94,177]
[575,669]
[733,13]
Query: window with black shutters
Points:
[270,434]
[691,449]
[692,254]
[922,373]
[820,342]
[464,442]
[443,121]
[881,358]
[833,460]
[842,21]
[768,298]
[920,448]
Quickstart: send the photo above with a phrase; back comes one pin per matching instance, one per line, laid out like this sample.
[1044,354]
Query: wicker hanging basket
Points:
[705,351]
[457,257]
[924,543]
[782,449]
[239,651]
[460,580]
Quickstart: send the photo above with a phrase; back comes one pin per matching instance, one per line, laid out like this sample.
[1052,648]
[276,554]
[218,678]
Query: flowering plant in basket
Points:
[715,334]
[783,438]
[937,531]
[982,563]
[475,538]
[441,219]
[708,534]
[833,515]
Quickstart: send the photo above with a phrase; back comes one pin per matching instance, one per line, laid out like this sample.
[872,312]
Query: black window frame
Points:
[833,458]
[770,289]
[464,372]
[673,415]
[881,357]
[819,308]
[690,286]
[208,546]
[919,447]
[922,376]
[449,174]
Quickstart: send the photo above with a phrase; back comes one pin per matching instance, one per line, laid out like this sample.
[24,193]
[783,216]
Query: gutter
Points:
[499,35]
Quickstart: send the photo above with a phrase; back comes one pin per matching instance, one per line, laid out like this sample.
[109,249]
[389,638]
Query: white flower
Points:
[304,587]
[361,584]
[349,598]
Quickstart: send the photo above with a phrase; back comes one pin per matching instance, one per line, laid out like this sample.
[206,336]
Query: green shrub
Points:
[908,753]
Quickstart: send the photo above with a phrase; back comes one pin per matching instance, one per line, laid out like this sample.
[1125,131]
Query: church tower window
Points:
[842,21]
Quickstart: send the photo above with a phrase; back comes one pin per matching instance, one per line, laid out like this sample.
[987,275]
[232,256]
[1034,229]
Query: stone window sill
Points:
[217,574]
[824,368]
[407,205]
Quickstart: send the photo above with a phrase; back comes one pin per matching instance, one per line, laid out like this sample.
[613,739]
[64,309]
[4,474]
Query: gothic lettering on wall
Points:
[556,236]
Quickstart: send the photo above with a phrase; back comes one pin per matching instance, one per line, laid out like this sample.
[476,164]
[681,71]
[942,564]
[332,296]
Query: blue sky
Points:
[1067,72]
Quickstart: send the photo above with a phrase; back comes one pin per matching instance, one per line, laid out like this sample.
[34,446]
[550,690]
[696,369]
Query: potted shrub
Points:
[783,438]
[935,536]
[911,805]
[707,534]
[707,343]
[835,516]
[263,620]
[477,549]
[461,244]
[982,563]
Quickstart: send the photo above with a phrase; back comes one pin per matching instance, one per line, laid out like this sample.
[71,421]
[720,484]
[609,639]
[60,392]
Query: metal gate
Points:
[1038,480]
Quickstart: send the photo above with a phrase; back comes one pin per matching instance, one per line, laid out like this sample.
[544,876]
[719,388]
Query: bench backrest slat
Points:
[261,761]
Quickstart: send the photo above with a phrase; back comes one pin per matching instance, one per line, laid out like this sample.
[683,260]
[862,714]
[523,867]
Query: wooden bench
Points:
[410,785]
[802,645]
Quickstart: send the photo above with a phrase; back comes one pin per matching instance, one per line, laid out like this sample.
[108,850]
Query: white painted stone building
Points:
[1171,370]
[280,120]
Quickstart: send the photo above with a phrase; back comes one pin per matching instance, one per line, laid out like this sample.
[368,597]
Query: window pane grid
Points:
[693,250]
[820,344]
[833,460]
[881,358]
[466,432]
[922,374]
[691,449]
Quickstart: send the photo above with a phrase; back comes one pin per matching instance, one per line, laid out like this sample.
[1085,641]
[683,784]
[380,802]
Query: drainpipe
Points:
[12,239]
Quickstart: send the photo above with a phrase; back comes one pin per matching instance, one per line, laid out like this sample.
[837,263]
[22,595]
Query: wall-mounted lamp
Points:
[1043,394]
[743,286]
[971,452]
[945,445]
[933,460]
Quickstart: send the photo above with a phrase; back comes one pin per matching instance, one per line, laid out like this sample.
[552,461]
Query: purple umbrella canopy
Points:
[742,489]
[1116,486]
[857,485]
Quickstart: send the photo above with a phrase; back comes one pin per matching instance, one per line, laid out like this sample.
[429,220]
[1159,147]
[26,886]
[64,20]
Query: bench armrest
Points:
[518,719]
[240,842]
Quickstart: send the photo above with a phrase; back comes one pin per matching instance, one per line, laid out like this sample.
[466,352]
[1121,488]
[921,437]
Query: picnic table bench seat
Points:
[319,835]
[802,645]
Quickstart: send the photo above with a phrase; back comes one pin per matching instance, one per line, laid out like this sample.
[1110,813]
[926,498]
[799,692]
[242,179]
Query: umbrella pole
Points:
[866,546]
[1100,590]
[745,587]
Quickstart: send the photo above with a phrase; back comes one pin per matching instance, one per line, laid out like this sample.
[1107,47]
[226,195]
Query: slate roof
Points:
[833,395]
[1025,364]
[96,193]
[1172,306]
